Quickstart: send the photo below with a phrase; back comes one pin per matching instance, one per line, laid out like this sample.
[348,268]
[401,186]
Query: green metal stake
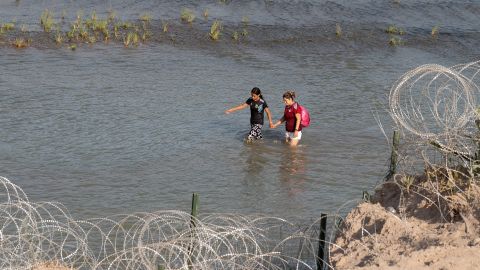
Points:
[321,241]
[193,224]
[477,123]
[194,210]
[394,155]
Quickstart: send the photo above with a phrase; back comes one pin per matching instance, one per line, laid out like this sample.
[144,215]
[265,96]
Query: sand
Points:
[50,266]
[400,230]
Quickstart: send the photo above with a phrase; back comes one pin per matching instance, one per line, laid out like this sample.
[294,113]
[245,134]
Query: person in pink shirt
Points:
[292,118]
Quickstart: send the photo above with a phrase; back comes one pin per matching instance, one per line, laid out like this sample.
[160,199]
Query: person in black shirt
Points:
[257,108]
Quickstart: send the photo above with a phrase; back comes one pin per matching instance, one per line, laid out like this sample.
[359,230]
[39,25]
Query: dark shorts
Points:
[255,132]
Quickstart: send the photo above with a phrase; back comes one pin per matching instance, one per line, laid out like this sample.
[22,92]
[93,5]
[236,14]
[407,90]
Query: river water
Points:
[107,129]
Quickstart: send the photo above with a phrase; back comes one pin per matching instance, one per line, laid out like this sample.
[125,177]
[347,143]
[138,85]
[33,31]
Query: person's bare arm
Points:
[237,108]
[297,124]
[279,122]
[269,116]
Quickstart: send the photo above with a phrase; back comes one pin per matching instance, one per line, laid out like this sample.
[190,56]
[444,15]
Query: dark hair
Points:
[256,91]
[289,94]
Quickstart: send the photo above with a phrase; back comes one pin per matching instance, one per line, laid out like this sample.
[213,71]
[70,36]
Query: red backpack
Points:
[305,115]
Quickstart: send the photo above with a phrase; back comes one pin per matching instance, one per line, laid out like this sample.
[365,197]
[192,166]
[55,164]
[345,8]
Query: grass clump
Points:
[20,43]
[338,30]
[78,29]
[435,31]
[187,15]
[146,17]
[91,39]
[392,29]
[101,26]
[83,33]
[58,37]
[146,35]
[215,30]
[90,23]
[407,182]
[395,41]
[116,31]
[111,15]
[126,25]
[235,36]
[7,27]
[46,20]
[131,38]
[165,27]
[395,32]
[135,39]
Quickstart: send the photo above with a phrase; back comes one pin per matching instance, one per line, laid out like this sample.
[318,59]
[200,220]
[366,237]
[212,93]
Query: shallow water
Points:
[109,130]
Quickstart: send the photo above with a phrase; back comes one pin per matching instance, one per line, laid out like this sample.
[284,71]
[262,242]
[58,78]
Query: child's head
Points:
[289,97]
[256,94]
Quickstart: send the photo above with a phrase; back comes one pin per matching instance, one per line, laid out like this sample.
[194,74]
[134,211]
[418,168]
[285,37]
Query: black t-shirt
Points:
[256,110]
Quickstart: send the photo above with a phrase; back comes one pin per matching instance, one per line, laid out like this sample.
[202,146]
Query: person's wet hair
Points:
[289,95]
[257,92]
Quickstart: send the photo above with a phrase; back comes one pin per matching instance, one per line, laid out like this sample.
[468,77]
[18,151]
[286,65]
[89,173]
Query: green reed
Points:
[165,27]
[7,27]
[111,16]
[146,17]
[59,36]
[435,31]
[187,15]
[20,43]
[392,29]
[245,20]
[215,30]
[338,30]
[235,36]
[46,20]
[131,38]
[395,41]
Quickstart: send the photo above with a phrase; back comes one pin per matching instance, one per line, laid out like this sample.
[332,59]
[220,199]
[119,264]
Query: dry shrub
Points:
[440,194]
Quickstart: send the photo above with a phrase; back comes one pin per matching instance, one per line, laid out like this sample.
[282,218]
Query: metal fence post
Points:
[394,156]
[321,241]
[193,225]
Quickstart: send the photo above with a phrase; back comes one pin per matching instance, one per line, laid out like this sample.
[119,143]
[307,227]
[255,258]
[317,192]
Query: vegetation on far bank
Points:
[92,28]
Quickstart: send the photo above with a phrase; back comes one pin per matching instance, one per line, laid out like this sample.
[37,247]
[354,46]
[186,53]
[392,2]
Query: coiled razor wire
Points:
[45,236]
[438,105]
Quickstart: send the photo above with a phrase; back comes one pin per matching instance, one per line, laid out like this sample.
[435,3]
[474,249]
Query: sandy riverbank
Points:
[401,230]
